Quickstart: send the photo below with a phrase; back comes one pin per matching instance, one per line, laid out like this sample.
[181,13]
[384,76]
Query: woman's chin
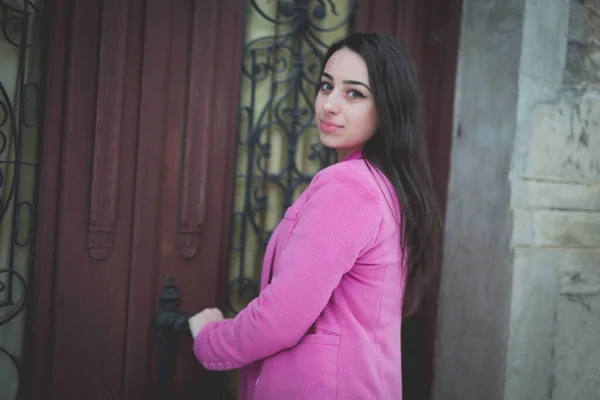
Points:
[328,141]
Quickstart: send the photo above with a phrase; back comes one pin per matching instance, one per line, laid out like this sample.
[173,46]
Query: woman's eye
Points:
[325,86]
[355,94]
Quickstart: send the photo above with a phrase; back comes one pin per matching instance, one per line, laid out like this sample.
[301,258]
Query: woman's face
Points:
[344,106]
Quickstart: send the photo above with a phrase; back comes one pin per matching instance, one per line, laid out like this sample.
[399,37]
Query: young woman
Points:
[354,253]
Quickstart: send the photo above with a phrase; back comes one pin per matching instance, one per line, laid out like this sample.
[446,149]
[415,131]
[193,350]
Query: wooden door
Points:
[142,102]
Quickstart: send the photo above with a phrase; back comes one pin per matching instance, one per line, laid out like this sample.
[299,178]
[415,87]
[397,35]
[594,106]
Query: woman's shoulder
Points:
[348,185]
[341,192]
[353,174]
[358,183]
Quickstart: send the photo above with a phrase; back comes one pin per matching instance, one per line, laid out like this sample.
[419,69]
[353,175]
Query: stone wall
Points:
[520,319]
[554,337]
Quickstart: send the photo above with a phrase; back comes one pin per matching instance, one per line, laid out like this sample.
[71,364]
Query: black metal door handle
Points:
[168,324]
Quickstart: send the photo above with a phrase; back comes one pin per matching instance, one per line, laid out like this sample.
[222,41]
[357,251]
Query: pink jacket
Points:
[327,326]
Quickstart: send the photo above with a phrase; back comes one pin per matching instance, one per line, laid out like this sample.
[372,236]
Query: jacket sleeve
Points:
[335,225]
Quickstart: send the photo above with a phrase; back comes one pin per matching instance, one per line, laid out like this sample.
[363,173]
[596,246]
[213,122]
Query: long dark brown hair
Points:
[398,149]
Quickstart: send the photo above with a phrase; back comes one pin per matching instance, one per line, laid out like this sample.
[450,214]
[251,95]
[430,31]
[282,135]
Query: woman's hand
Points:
[203,318]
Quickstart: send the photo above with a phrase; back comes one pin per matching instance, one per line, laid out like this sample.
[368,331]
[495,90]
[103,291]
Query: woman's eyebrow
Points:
[348,82]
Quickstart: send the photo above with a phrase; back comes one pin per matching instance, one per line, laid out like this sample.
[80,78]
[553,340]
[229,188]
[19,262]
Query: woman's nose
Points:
[331,105]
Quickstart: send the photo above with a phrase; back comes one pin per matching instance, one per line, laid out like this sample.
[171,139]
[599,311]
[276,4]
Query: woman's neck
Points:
[343,153]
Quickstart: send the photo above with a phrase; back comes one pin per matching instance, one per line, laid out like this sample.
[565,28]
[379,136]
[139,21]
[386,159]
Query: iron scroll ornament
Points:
[21,104]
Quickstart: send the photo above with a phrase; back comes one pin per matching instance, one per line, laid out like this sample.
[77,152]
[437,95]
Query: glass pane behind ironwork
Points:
[278,147]
[20,118]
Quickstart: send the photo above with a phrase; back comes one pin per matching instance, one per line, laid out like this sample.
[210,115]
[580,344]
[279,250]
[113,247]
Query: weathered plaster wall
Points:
[520,296]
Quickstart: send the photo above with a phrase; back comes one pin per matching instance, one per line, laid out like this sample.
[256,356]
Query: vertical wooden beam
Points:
[37,350]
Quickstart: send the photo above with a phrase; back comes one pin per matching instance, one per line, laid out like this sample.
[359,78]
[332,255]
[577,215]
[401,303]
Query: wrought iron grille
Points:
[278,148]
[20,118]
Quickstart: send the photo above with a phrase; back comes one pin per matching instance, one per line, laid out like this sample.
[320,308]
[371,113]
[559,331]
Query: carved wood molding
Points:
[192,207]
[104,189]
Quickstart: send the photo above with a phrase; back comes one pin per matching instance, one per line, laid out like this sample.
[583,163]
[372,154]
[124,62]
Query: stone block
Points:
[577,343]
[554,337]
[566,229]
[565,143]
[544,195]
[584,43]
[529,365]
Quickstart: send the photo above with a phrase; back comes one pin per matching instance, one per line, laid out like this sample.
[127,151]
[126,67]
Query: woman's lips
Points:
[328,127]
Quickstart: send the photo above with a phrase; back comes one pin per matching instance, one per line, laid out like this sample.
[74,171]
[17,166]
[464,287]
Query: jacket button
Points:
[228,365]
[205,365]
[219,366]
[211,365]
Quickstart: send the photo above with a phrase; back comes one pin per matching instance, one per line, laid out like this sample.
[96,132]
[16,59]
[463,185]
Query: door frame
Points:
[35,375]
